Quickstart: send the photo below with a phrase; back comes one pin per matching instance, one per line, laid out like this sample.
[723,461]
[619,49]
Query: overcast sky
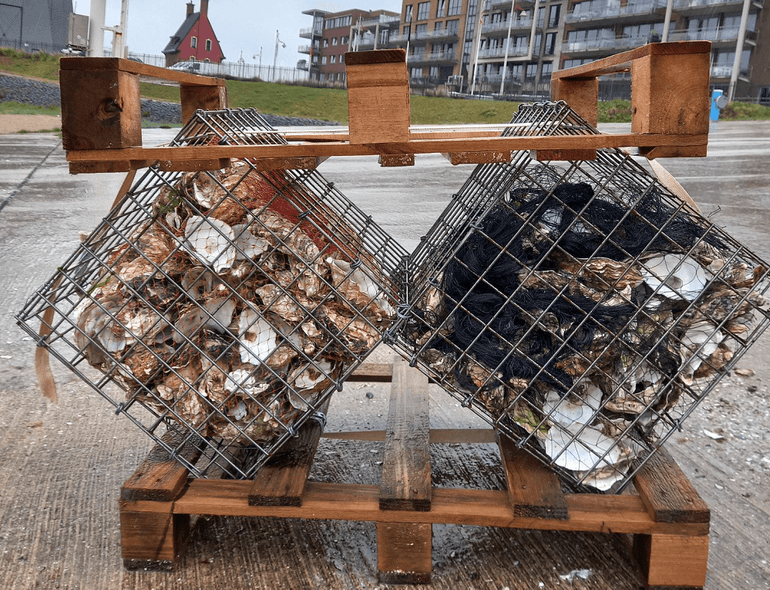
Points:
[240,25]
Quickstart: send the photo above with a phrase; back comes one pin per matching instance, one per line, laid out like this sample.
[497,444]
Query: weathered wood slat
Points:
[667,493]
[437,435]
[406,483]
[533,490]
[281,481]
[339,501]
[160,478]
[416,146]
[672,560]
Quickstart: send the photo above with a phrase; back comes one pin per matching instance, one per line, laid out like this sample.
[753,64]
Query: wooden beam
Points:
[533,490]
[378,96]
[667,493]
[281,481]
[406,481]
[419,146]
[355,502]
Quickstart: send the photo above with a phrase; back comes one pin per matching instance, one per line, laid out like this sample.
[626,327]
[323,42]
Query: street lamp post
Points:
[275,54]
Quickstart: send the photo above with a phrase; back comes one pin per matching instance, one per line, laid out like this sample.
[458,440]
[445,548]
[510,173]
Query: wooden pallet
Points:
[101,115]
[667,519]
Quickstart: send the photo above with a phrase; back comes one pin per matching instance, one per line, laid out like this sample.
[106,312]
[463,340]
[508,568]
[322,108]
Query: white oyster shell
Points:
[210,240]
[257,337]
[577,409]
[699,342]
[675,276]
[581,452]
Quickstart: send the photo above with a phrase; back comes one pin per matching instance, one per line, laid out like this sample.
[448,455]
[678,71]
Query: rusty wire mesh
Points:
[222,307]
[579,307]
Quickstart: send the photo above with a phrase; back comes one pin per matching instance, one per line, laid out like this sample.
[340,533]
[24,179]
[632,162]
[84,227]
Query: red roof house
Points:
[195,40]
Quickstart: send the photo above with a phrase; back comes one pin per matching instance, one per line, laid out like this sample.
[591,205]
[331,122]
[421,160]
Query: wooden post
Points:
[100,109]
[668,496]
[378,96]
[404,549]
[581,94]
[151,534]
[207,98]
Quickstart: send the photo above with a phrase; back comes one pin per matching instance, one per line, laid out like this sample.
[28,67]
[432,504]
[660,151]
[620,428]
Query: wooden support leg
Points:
[668,496]
[151,535]
[404,549]
[673,560]
[404,553]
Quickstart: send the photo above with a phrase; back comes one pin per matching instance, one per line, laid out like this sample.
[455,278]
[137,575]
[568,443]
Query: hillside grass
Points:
[17,108]
[330,104]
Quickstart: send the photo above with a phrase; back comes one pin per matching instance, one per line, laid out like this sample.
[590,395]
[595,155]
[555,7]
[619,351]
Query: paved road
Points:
[61,466]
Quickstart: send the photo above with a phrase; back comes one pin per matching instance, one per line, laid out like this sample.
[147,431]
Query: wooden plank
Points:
[140,69]
[670,93]
[485,157]
[100,110]
[378,96]
[151,534]
[207,98]
[404,553]
[160,478]
[582,95]
[533,490]
[396,160]
[417,146]
[672,560]
[620,61]
[281,481]
[672,184]
[375,372]
[437,435]
[406,483]
[339,501]
[667,493]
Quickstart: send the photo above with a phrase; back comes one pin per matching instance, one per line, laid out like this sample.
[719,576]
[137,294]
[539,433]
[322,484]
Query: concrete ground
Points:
[62,465]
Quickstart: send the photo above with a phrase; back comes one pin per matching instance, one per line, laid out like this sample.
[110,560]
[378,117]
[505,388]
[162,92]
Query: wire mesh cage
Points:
[223,308]
[579,307]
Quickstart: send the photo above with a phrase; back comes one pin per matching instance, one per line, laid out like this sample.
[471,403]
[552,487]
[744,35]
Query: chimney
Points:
[204,7]
[190,9]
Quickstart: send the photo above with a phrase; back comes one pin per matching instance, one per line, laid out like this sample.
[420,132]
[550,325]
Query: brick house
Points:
[195,39]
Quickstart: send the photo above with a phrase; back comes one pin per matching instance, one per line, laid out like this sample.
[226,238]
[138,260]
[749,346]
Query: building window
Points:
[441,9]
[326,43]
[438,27]
[550,44]
[193,42]
[455,7]
[208,44]
[334,40]
[546,70]
[531,71]
[453,26]
[423,10]
[344,40]
[420,30]
[342,59]
[323,60]
[408,14]
[333,59]
[553,16]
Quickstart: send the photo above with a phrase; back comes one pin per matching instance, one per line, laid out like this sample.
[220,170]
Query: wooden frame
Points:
[666,517]
[670,105]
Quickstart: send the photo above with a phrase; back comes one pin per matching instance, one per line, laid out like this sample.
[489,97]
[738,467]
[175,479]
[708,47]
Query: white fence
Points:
[234,69]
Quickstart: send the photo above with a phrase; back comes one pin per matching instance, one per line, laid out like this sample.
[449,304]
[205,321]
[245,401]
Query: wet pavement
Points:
[61,466]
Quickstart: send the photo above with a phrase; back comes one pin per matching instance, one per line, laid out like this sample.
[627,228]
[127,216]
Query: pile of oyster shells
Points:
[693,312]
[226,312]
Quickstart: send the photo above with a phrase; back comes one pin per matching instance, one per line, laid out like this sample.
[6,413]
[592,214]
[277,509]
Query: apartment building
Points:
[335,33]
[511,47]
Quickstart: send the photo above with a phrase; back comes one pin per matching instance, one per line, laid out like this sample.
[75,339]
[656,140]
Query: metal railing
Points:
[632,9]
[520,23]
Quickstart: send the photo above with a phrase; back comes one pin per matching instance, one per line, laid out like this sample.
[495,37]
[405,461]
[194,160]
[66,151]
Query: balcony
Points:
[506,4]
[499,53]
[310,32]
[722,35]
[727,72]
[425,37]
[501,28]
[633,12]
[305,49]
[382,20]
[433,58]
[697,7]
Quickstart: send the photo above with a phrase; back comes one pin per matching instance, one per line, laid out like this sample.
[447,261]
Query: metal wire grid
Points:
[586,338]
[229,335]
